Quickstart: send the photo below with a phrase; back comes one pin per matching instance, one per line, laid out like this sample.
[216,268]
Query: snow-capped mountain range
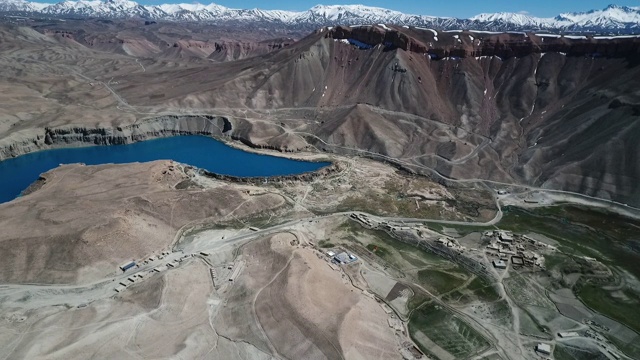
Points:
[621,19]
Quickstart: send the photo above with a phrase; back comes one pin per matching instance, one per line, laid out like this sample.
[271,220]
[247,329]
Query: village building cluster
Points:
[520,250]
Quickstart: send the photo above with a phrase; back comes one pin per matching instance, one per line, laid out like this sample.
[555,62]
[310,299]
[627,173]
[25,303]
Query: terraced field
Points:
[445,330]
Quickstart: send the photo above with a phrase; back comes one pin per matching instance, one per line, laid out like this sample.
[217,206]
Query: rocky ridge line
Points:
[440,44]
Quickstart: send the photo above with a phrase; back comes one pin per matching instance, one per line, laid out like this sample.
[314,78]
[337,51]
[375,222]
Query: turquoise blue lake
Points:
[203,152]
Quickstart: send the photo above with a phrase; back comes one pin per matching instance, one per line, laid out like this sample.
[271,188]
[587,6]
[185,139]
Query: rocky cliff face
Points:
[535,109]
[473,44]
[153,128]
[168,40]
[157,127]
[236,50]
[374,36]
[548,111]
[35,140]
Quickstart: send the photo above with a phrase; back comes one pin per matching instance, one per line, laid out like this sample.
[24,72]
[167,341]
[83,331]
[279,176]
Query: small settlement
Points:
[504,247]
[521,250]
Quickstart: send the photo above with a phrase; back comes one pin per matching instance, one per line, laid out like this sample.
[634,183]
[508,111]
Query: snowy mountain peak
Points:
[194,7]
[613,18]
[357,14]
[120,2]
[356,9]
[511,18]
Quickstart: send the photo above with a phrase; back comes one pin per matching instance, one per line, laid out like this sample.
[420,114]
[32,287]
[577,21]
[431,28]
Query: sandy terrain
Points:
[293,304]
[162,318]
[286,302]
[86,220]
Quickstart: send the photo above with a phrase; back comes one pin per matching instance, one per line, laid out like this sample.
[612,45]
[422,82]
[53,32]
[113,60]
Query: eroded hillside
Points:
[542,110]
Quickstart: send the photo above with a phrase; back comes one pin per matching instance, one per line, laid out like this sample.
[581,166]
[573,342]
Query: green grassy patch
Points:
[603,301]
[326,244]
[419,298]
[397,253]
[457,296]
[478,289]
[501,312]
[414,260]
[420,258]
[446,330]
[462,230]
[631,349]
[529,325]
[379,250]
[483,290]
[611,238]
[439,281]
[388,205]
[556,261]
[395,200]
[561,353]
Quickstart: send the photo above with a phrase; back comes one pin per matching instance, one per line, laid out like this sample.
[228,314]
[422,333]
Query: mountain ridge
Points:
[613,18]
[545,110]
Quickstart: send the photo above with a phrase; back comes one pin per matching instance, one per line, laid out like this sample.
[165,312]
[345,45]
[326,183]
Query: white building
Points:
[342,258]
[543,349]
[506,237]
[569,334]
[499,264]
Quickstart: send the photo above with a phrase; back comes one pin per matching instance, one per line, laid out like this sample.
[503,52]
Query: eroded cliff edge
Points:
[21,143]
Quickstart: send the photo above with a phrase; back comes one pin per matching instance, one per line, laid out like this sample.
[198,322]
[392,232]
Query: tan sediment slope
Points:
[167,316]
[287,303]
[328,298]
[290,302]
[86,220]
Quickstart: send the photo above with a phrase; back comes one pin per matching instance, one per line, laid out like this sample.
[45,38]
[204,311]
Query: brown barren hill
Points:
[164,317]
[551,112]
[547,109]
[86,220]
[289,302]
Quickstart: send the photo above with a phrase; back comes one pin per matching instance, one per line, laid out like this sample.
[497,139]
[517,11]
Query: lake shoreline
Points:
[69,136]
[207,154]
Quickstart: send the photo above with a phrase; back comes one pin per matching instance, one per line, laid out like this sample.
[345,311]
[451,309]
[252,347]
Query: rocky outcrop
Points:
[158,127]
[236,50]
[22,142]
[59,33]
[164,126]
[473,44]
[153,128]
[372,35]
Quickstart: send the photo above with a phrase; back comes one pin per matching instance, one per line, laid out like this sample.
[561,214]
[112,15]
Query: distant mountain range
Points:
[612,19]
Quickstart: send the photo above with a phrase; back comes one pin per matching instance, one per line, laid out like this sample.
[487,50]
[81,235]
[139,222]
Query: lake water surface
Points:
[203,152]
